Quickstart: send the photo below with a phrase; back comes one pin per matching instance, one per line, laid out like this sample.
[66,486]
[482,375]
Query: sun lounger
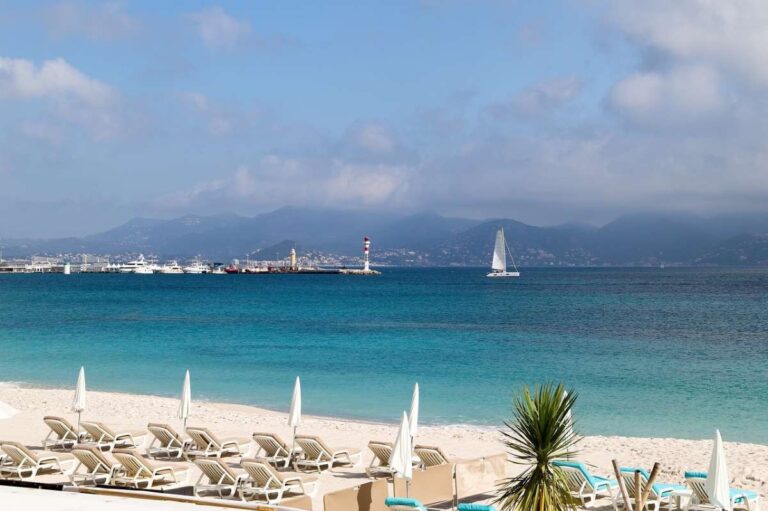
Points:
[265,481]
[430,456]
[97,467]
[222,480]
[169,442]
[404,504]
[205,443]
[106,439]
[379,466]
[318,456]
[586,487]
[139,472]
[273,449]
[61,433]
[24,462]
[660,492]
[743,499]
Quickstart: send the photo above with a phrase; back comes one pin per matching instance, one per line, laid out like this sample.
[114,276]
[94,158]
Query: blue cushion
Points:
[738,495]
[689,474]
[476,507]
[401,501]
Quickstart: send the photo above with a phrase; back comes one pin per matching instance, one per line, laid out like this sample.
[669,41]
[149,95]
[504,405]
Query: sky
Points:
[545,112]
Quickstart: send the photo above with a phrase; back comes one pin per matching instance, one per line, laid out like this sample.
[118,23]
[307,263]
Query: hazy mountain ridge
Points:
[430,239]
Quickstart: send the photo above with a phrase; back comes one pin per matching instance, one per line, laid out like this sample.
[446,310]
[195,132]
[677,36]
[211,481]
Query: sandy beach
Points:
[748,463]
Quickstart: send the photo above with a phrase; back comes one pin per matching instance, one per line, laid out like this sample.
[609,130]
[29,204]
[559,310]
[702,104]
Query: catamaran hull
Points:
[498,274]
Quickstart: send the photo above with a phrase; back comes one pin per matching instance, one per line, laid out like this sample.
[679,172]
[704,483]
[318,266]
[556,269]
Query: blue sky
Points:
[542,111]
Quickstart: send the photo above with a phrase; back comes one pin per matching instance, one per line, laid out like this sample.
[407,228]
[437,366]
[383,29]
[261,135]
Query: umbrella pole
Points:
[293,442]
[78,422]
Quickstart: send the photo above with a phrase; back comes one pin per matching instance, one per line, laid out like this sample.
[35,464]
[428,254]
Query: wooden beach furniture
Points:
[22,462]
[107,439]
[659,493]
[430,456]
[317,455]
[222,480]
[273,449]
[265,481]
[205,443]
[139,472]
[61,433]
[97,468]
[740,499]
[166,441]
[585,486]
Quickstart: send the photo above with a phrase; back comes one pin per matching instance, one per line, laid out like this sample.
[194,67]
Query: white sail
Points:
[499,253]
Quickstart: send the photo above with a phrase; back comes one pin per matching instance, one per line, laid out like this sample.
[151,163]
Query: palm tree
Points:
[540,433]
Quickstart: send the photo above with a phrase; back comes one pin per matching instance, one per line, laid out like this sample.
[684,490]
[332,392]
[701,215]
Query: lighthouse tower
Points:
[366,248]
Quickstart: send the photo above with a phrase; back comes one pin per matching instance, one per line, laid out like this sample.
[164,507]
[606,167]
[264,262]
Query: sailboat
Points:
[499,264]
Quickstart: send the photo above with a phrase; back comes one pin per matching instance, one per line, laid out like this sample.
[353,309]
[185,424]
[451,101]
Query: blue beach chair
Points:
[660,492]
[743,499]
[475,507]
[403,504]
[585,486]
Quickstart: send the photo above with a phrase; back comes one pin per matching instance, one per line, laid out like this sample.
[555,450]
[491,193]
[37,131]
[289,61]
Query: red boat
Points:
[231,269]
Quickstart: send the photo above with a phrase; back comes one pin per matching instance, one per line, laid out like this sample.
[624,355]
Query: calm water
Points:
[651,352]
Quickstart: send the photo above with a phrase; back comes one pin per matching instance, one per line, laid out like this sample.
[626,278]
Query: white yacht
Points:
[197,267]
[499,264]
[171,267]
[139,265]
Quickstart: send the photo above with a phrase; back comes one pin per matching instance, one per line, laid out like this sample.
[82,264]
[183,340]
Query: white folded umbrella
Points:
[78,402]
[413,418]
[716,485]
[185,401]
[294,413]
[401,458]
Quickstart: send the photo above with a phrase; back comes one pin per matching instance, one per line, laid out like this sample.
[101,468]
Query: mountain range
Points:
[429,239]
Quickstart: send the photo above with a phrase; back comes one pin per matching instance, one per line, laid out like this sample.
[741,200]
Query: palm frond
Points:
[541,432]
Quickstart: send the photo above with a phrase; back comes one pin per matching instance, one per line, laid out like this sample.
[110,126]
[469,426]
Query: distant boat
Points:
[197,267]
[171,268]
[499,264]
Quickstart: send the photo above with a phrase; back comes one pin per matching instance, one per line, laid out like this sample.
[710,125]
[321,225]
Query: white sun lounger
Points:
[740,499]
[166,441]
[319,456]
[265,481]
[273,449]
[61,433]
[430,456]
[205,443]
[139,472]
[97,468]
[660,492]
[106,439]
[585,486]
[26,463]
[222,480]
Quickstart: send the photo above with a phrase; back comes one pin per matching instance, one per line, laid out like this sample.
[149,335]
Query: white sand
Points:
[748,463]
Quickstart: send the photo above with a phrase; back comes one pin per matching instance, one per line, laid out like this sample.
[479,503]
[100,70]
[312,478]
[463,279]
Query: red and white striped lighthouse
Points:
[366,248]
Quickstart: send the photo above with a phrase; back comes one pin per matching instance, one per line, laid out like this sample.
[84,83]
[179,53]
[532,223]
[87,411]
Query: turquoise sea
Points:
[651,352]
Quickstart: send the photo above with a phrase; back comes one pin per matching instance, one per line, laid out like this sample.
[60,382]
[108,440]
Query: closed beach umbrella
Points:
[717,477]
[413,418]
[400,460]
[185,402]
[7,411]
[294,414]
[78,402]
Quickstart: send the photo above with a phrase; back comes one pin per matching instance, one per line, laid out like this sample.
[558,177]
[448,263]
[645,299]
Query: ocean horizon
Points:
[651,352]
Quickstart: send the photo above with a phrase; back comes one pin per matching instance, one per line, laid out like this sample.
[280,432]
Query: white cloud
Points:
[219,30]
[72,96]
[20,78]
[678,95]
[103,22]
[539,98]
[728,35]
[372,136]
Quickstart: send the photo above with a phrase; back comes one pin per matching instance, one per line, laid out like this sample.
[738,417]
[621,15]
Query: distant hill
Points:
[428,239]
